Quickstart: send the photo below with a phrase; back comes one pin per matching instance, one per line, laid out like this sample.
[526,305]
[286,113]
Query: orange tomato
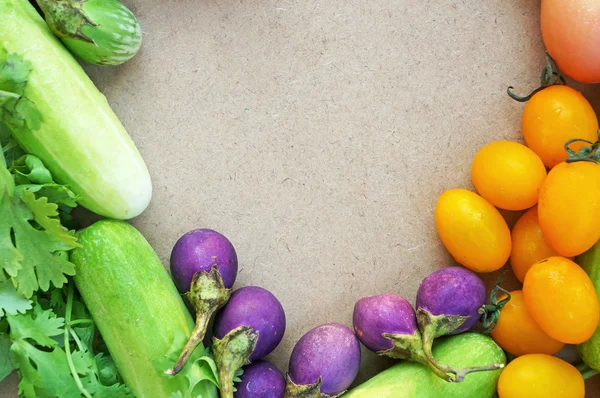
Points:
[569,207]
[570,33]
[508,175]
[554,116]
[540,376]
[562,300]
[528,244]
[472,230]
[517,332]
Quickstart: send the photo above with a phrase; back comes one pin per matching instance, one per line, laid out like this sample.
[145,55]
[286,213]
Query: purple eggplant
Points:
[449,302]
[261,379]
[324,362]
[249,327]
[204,268]
[387,325]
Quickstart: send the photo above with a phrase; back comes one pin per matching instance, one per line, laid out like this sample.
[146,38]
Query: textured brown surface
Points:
[318,135]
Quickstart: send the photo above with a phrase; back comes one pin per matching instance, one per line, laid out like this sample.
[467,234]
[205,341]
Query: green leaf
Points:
[107,369]
[33,169]
[10,301]
[55,193]
[16,111]
[29,260]
[6,367]
[43,373]
[39,329]
[45,214]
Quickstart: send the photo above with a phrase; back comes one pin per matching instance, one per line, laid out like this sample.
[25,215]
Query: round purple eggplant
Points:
[261,379]
[325,360]
[204,267]
[199,250]
[387,324]
[249,327]
[448,303]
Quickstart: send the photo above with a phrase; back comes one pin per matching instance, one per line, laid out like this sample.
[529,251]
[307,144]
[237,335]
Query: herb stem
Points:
[80,321]
[68,310]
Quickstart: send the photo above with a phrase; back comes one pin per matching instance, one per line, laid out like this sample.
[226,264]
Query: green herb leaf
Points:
[16,111]
[30,260]
[10,301]
[6,367]
[39,329]
[46,215]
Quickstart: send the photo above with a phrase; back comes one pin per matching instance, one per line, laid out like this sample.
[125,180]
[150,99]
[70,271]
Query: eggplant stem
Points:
[461,373]
[231,353]
[197,336]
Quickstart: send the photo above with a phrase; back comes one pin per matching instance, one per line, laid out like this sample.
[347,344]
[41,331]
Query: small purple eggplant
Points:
[248,328]
[448,303]
[204,268]
[324,362]
[387,325]
[261,379]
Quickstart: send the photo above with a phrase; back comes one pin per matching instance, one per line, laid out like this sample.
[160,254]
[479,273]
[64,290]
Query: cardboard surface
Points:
[318,135]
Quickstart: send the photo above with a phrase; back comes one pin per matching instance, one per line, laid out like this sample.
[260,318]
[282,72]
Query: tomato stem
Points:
[586,371]
[587,153]
[490,313]
[549,77]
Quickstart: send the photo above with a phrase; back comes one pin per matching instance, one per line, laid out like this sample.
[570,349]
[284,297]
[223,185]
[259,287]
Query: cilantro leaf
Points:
[40,328]
[6,367]
[45,214]
[9,145]
[16,111]
[43,373]
[30,260]
[10,301]
[55,193]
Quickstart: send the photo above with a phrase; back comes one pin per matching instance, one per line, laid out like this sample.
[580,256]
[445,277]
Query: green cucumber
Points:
[590,262]
[79,138]
[135,305]
[413,380]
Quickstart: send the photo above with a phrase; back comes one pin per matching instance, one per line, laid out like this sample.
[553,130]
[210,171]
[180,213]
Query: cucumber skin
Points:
[590,262]
[413,380]
[81,140]
[134,303]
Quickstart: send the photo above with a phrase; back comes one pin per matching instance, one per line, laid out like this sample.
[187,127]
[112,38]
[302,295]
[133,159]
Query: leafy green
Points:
[30,235]
[12,302]
[16,111]
[6,367]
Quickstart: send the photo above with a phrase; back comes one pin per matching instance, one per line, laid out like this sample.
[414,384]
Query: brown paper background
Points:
[317,135]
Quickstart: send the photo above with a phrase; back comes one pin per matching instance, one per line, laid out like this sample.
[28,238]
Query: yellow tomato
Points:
[569,207]
[562,300]
[540,376]
[528,244]
[517,332]
[472,230]
[554,116]
[508,175]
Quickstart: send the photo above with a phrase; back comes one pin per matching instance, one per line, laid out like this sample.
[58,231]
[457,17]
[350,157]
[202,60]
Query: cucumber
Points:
[80,139]
[590,262]
[135,305]
[413,380]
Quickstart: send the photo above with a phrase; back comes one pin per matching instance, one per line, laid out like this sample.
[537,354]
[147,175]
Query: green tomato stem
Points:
[586,371]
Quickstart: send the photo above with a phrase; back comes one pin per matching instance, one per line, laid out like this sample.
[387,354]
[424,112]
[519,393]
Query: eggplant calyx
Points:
[207,295]
[293,390]
[231,353]
[66,18]
[410,347]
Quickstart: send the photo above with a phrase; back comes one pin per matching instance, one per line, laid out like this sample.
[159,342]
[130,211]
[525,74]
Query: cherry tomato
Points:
[554,116]
[508,175]
[540,376]
[528,244]
[517,332]
[569,207]
[570,33]
[472,230]
[562,300]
